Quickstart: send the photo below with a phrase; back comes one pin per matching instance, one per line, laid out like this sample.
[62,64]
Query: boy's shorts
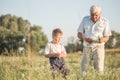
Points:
[58,64]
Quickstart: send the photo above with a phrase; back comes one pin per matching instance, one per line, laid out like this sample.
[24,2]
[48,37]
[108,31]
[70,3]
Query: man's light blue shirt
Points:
[94,30]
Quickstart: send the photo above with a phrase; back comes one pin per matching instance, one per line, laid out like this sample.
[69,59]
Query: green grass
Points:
[38,68]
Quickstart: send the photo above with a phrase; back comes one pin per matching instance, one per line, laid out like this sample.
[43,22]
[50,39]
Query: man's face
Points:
[95,16]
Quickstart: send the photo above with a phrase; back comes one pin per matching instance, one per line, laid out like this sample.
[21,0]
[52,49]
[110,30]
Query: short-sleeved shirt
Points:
[54,48]
[94,30]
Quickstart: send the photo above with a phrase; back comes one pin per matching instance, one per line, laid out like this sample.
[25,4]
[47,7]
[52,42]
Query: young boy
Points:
[56,54]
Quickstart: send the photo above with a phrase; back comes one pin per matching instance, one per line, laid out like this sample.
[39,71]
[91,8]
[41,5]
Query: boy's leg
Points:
[55,71]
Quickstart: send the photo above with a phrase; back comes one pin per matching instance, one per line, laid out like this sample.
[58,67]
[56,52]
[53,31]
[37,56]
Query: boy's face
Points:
[57,38]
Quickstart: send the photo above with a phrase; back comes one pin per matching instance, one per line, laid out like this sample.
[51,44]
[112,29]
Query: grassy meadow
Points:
[36,67]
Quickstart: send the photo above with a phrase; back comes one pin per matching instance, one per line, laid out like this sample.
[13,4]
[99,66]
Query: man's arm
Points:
[82,37]
[103,39]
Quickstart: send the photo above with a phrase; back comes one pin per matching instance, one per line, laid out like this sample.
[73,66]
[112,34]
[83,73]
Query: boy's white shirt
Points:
[54,48]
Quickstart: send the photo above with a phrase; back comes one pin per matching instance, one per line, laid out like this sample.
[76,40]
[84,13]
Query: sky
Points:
[63,14]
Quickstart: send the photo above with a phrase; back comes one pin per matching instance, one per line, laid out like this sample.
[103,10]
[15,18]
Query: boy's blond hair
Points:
[56,32]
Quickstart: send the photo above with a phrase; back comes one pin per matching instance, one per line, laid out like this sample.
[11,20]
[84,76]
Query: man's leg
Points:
[99,58]
[85,59]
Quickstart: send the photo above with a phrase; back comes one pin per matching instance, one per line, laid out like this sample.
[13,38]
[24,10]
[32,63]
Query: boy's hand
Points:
[57,55]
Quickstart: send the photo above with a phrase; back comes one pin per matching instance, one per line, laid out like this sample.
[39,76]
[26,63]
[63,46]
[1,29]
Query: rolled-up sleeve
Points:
[47,49]
[107,30]
[81,27]
[63,49]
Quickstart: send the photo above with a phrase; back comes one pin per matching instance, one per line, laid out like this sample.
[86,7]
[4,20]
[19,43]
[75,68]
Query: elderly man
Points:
[94,30]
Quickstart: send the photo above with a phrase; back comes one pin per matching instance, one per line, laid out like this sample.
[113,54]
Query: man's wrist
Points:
[84,38]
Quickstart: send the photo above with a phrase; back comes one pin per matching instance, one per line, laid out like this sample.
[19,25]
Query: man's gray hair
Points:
[95,8]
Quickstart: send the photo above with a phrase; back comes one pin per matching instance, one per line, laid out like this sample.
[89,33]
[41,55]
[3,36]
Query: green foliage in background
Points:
[37,37]
[14,34]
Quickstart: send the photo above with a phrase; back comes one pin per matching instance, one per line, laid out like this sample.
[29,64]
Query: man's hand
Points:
[103,39]
[83,37]
[89,40]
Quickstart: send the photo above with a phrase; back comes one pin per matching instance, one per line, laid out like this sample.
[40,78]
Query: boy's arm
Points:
[52,55]
[63,55]
[55,55]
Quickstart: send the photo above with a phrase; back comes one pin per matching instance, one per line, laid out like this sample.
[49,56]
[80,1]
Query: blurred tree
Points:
[22,25]
[114,41]
[38,38]
[4,19]
[14,33]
